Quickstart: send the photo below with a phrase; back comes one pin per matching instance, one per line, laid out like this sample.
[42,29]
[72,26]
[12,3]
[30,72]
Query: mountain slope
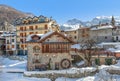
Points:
[9,15]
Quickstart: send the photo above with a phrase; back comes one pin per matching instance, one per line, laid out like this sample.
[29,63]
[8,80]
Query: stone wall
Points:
[56,75]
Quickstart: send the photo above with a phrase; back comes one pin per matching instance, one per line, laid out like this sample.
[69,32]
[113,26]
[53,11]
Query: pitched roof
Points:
[49,34]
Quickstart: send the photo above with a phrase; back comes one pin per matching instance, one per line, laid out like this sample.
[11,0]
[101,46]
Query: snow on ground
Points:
[7,65]
[19,77]
[89,78]
[66,79]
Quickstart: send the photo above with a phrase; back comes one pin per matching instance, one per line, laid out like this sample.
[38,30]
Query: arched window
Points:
[36,49]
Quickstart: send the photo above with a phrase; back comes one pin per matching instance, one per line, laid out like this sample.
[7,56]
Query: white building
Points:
[10,42]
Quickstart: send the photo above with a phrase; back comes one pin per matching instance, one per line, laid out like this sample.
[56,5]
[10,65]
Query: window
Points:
[87,35]
[21,40]
[22,46]
[46,27]
[31,33]
[24,28]
[117,38]
[12,46]
[105,37]
[7,41]
[41,20]
[75,37]
[75,32]
[31,27]
[21,28]
[8,47]
[36,27]
[12,40]
[45,31]
[17,46]
[25,35]
[83,31]
[83,35]
[36,49]
[21,34]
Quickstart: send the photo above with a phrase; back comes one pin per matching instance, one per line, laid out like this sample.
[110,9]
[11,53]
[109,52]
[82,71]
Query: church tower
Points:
[113,21]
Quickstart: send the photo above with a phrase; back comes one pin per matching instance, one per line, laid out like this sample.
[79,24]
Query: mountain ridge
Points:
[95,21]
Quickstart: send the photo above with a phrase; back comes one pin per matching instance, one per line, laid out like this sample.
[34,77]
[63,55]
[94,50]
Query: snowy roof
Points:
[1,31]
[40,35]
[102,27]
[73,29]
[45,35]
[116,49]
[8,34]
[110,43]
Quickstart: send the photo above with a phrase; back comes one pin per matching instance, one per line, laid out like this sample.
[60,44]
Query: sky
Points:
[63,10]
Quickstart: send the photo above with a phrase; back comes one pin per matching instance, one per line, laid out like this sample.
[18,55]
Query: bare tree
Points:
[87,49]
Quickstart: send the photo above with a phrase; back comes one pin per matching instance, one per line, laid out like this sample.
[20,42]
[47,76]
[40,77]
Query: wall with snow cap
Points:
[70,73]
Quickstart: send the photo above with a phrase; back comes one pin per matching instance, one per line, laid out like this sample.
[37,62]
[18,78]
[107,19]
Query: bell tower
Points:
[113,21]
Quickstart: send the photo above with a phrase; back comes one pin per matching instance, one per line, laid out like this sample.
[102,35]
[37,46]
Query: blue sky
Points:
[63,10]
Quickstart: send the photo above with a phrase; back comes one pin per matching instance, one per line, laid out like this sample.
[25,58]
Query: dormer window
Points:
[35,37]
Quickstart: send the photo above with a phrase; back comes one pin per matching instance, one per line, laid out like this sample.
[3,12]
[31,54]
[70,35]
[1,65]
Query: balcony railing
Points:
[32,29]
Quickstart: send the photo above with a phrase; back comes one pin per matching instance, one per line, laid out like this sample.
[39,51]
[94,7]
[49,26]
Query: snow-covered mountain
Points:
[75,23]
[104,19]
[71,24]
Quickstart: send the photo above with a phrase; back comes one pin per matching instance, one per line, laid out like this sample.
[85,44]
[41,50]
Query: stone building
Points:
[102,33]
[32,25]
[49,51]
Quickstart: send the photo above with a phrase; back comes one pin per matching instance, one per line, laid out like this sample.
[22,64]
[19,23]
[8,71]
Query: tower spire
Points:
[113,21]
